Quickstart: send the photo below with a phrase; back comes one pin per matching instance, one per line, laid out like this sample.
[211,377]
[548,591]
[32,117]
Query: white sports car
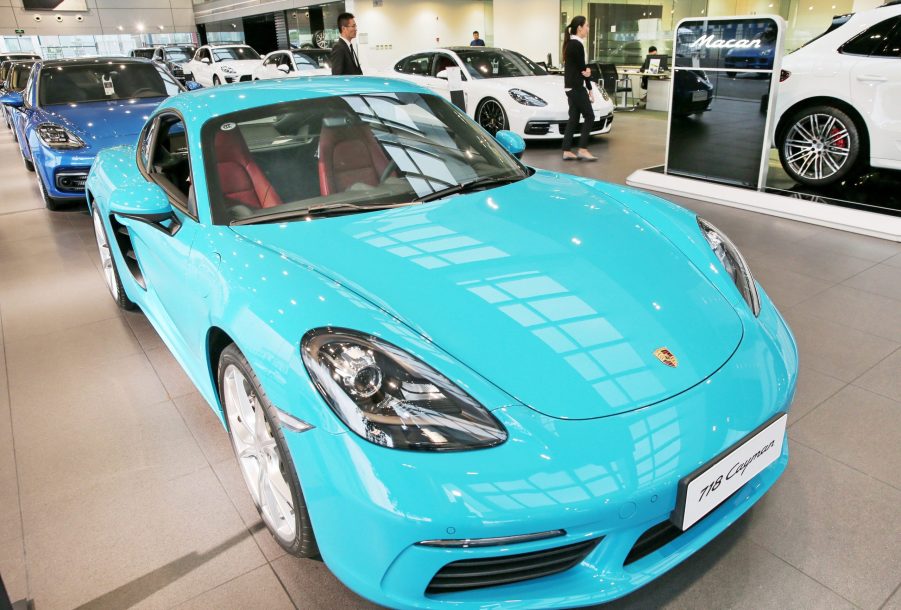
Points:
[839,101]
[214,65]
[502,90]
[296,62]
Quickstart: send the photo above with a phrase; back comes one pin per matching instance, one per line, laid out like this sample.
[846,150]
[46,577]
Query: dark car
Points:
[174,58]
[692,92]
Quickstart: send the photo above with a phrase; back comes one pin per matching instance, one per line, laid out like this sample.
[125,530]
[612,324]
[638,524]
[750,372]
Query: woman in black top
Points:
[578,89]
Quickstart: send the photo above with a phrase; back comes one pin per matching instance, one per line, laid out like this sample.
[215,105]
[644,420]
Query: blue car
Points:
[461,381]
[14,81]
[73,108]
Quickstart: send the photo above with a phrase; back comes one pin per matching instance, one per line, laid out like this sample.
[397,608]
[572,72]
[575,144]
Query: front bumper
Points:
[238,78]
[63,172]
[530,121]
[555,129]
[610,478]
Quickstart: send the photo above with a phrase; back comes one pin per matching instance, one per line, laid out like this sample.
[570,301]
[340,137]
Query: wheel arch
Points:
[823,100]
[217,340]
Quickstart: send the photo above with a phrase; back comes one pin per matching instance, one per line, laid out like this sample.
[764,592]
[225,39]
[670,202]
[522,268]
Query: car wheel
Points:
[29,165]
[263,455]
[491,116]
[216,81]
[320,40]
[820,146]
[51,203]
[110,273]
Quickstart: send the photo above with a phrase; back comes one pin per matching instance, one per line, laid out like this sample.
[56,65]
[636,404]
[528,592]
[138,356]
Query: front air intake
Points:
[484,572]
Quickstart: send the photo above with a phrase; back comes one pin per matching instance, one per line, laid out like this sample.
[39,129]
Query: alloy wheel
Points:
[817,146]
[491,117]
[258,455]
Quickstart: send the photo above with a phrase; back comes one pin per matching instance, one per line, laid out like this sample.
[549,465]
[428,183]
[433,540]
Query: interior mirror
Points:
[512,142]
[442,74]
[13,98]
[283,68]
[192,85]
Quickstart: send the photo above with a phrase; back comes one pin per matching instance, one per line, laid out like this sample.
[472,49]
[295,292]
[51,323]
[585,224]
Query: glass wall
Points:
[314,26]
[621,31]
[56,47]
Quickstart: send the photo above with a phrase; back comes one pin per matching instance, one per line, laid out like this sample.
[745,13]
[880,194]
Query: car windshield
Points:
[19,76]
[230,53]
[97,82]
[340,155]
[178,55]
[310,61]
[496,63]
[145,53]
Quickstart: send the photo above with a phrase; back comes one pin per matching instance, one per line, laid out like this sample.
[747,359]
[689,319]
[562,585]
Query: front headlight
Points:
[390,398]
[604,94]
[228,70]
[526,98]
[733,262]
[55,136]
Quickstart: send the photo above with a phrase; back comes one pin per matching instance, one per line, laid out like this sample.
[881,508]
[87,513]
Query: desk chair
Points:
[617,86]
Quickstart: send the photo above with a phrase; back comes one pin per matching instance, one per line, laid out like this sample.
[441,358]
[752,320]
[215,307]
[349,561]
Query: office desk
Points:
[659,87]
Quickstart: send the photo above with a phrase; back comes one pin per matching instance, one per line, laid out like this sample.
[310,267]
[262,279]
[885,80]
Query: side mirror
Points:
[283,68]
[205,60]
[512,142]
[147,202]
[442,74]
[13,98]
[192,85]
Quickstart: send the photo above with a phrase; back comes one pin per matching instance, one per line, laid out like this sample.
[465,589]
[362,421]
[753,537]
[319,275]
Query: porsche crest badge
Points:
[666,357]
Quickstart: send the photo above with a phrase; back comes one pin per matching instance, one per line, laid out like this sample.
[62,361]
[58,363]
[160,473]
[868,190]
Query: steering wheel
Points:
[392,165]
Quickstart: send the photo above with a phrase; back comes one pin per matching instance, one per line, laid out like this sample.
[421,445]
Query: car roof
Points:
[78,61]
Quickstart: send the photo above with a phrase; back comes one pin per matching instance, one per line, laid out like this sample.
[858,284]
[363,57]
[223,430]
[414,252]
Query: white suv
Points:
[839,101]
[213,64]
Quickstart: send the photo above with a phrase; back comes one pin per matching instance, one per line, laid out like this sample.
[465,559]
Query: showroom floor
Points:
[118,487]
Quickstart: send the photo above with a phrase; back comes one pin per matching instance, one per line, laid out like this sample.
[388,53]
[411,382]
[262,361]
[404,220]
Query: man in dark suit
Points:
[343,59]
[476,41]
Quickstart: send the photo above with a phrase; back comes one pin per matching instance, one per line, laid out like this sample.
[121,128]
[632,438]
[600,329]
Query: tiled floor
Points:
[118,487]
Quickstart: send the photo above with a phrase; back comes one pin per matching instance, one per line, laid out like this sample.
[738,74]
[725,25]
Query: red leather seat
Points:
[348,155]
[241,179]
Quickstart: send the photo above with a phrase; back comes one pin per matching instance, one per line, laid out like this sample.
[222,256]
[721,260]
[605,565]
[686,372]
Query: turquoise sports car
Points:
[460,380]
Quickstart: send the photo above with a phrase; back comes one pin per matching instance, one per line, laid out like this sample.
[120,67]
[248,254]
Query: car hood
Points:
[102,124]
[242,66]
[549,288]
[550,87]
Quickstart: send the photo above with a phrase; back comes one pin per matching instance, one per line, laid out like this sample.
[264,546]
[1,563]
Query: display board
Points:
[725,72]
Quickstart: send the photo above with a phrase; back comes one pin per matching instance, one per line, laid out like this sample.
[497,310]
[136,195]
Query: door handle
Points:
[872,77]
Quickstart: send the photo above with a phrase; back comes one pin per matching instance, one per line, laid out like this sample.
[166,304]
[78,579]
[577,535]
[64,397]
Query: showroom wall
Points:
[102,17]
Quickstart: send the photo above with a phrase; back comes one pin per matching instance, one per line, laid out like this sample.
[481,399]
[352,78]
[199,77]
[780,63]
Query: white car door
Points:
[416,68]
[269,68]
[440,63]
[202,68]
[876,92]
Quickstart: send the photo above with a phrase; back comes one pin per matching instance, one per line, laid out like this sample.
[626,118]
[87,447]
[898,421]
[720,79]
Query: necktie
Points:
[354,53]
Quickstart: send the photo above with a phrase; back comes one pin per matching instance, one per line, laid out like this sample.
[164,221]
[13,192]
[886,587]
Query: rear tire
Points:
[819,146]
[263,455]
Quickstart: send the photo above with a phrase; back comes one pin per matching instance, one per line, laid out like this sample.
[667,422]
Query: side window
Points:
[205,54]
[29,87]
[871,39]
[170,166]
[418,64]
[892,46]
[272,60]
[285,60]
[442,62]
[146,140]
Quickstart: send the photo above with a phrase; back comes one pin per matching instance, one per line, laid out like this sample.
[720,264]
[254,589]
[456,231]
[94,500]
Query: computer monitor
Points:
[655,63]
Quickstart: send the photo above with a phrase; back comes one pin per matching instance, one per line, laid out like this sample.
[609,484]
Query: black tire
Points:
[304,542]
[216,81]
[50,203]
[115,284]
[29,165]
[491,115]
[810,155]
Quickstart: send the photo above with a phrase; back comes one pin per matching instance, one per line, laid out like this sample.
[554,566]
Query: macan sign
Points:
[710,42]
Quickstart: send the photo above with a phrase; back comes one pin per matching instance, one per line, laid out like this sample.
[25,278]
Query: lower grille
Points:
[72,182]
[246,78]
[655,538]
[598,125]
[479,573]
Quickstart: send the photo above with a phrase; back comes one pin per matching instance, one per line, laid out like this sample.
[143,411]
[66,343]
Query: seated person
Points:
[644,67]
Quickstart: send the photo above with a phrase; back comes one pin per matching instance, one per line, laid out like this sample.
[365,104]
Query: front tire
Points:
[491,116]
[110,272]
[821,146]
[51,203]
[216,81]
[263,455]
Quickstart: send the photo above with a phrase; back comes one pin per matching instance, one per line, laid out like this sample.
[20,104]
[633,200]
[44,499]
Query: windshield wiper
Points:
[319,211]
[465,187]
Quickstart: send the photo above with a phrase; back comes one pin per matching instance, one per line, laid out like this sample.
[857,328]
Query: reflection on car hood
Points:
[101,124]
[549,288]
[241,65]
